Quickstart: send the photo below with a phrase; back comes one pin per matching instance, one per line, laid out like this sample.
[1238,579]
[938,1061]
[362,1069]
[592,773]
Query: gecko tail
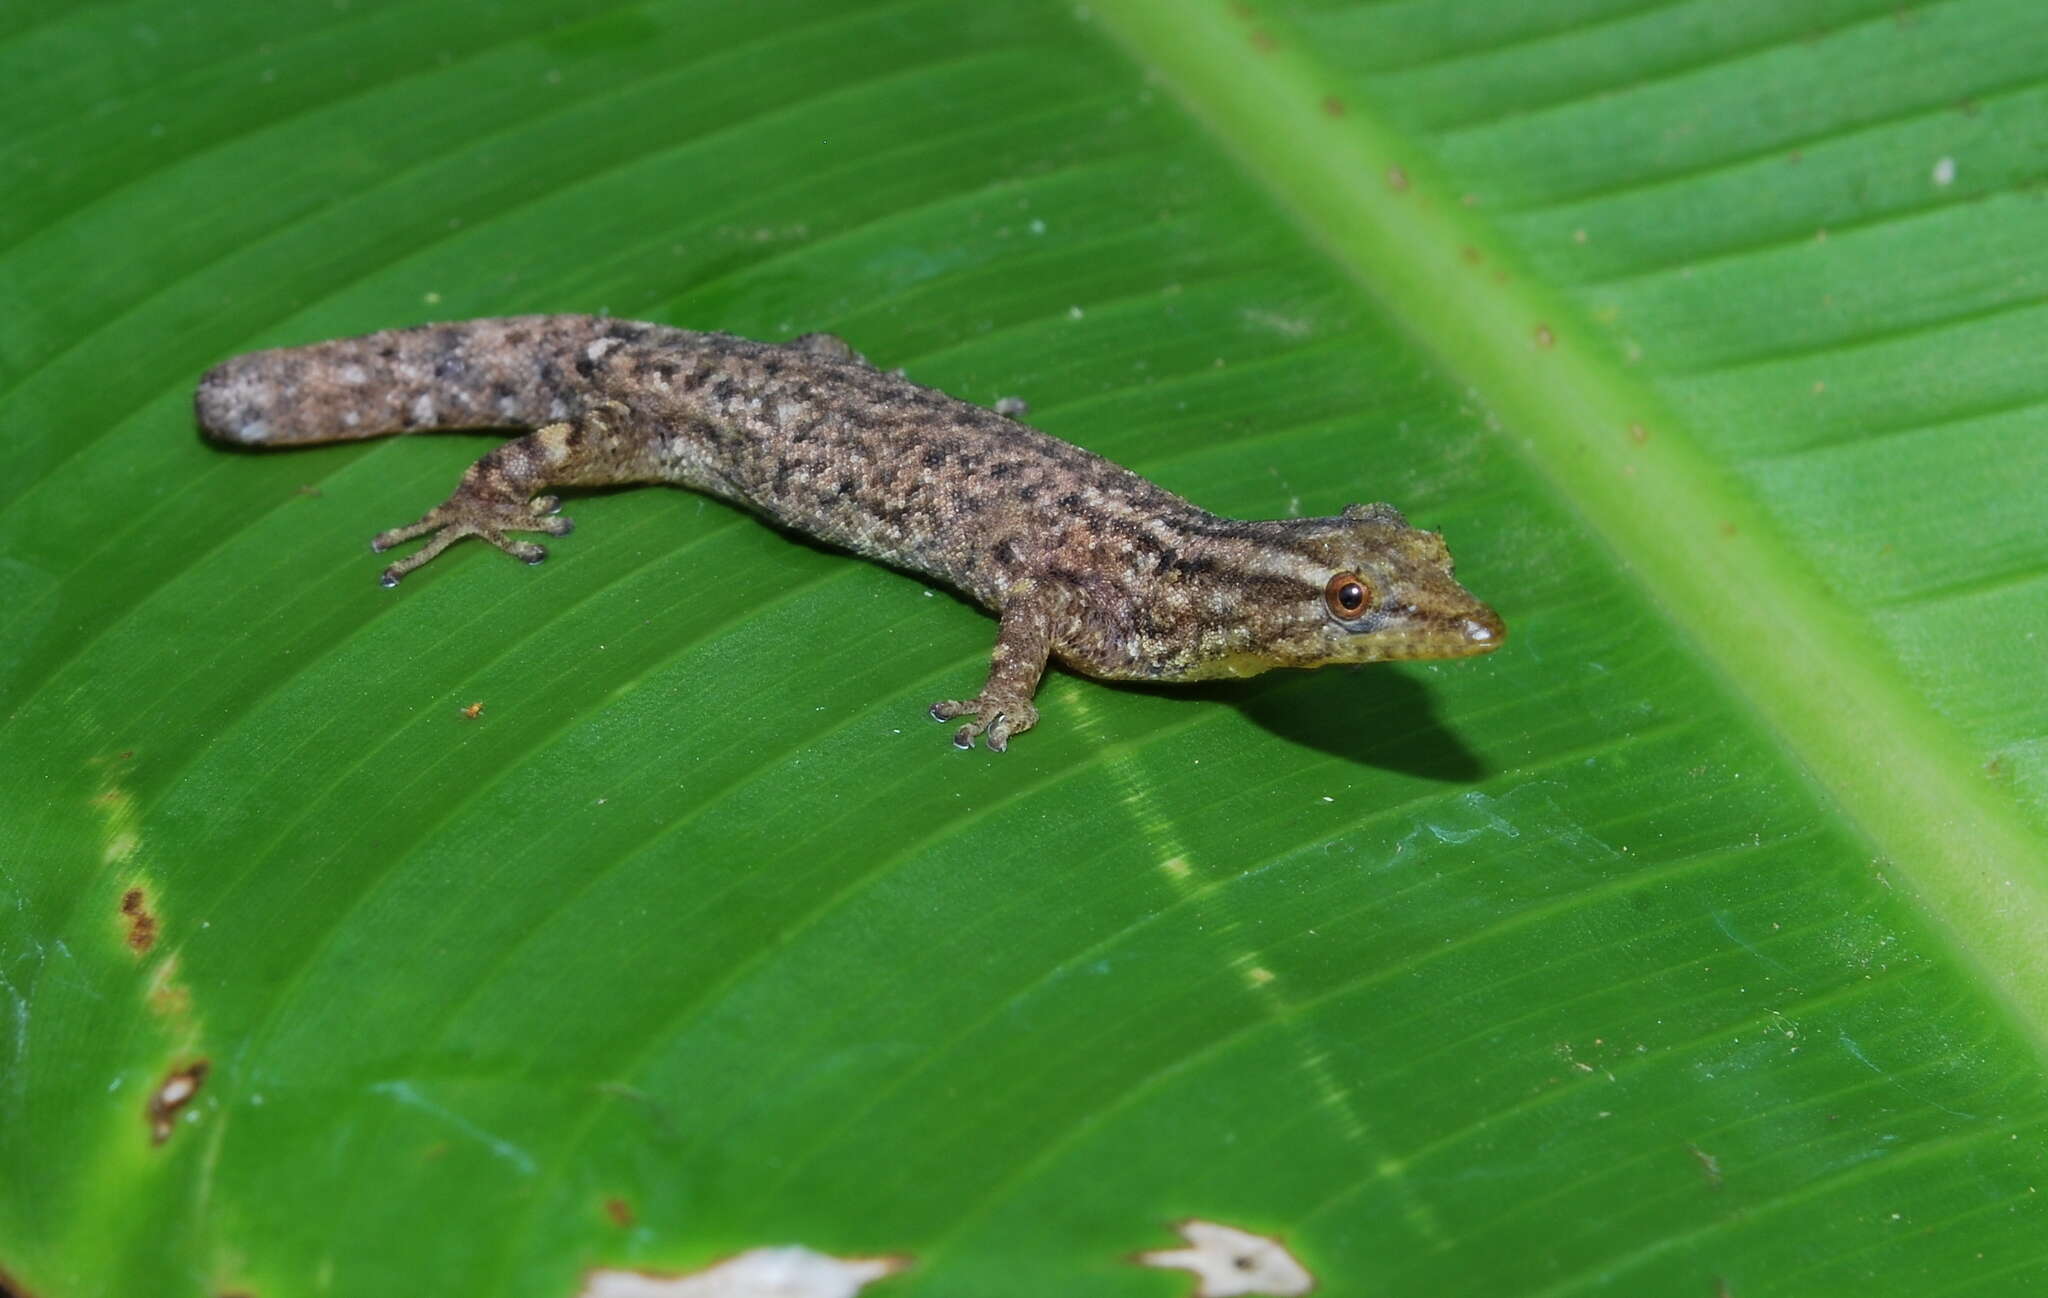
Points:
[509,372]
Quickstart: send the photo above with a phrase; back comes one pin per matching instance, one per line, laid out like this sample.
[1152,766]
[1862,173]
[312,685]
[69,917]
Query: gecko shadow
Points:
[1375,715]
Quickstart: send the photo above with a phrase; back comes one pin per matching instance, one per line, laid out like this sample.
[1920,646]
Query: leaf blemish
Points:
[1228,1262]
[171,1096]
[791,1271]
[141,923]
[1710,1167]
[168,995]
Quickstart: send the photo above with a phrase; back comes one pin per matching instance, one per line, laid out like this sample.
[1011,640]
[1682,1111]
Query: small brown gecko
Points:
[1080,558]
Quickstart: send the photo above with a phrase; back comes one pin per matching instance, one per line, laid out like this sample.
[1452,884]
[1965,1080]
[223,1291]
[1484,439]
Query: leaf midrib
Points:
[1716,567]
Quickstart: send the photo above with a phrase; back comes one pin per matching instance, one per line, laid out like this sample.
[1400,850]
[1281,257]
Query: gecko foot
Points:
[830,346]
[995,718]
[474,515]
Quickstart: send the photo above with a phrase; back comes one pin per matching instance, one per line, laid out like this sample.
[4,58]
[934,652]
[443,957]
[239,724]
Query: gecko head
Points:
[1361,587]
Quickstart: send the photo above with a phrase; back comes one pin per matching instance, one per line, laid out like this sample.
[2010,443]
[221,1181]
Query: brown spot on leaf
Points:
[1397,179]
[141,923]
[1638,434]
[1263,41]
[620,1212]
[1333,106]
[1545,338]
[1727,529]
[1471,255]
[171,1096]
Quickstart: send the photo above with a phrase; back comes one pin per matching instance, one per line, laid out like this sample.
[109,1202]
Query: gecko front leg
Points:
[1023,644]
[500,492]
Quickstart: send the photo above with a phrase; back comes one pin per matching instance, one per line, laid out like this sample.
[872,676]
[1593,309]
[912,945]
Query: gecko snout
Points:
[1483,631]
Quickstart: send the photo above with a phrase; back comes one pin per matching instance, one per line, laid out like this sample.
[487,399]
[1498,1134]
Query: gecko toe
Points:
[995,721]
[948,709]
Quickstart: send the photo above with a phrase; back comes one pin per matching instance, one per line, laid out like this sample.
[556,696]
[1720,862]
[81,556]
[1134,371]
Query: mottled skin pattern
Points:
[1083,560]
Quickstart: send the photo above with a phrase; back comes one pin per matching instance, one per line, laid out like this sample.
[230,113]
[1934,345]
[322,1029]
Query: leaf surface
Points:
[1690,944]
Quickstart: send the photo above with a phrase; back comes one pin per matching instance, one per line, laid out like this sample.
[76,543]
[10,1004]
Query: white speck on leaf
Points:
[1286,326]
[1944,172]
[1228,1262]
[788,1272]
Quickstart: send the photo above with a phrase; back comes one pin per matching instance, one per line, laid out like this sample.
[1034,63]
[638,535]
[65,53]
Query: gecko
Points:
[1079,558]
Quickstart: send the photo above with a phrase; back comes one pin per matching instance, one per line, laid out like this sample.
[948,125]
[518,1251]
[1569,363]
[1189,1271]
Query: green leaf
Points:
[1691,944]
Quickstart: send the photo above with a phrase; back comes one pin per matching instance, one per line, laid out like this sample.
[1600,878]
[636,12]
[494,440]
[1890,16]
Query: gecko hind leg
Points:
[496,496]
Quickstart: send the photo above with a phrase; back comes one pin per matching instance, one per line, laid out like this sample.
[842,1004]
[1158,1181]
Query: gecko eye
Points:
[1347,595]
